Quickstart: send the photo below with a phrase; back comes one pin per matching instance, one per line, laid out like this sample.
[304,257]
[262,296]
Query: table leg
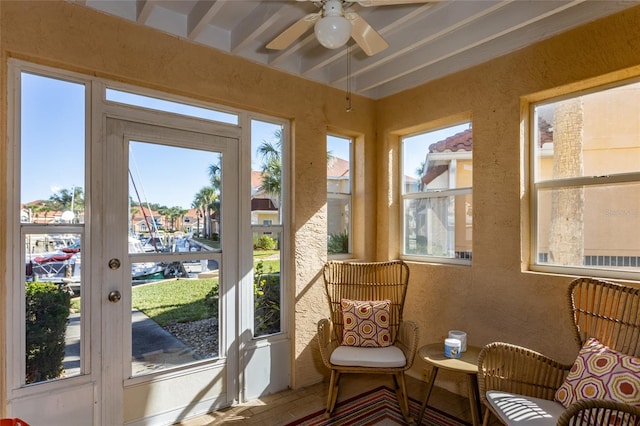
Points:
[432,380]
[474,400]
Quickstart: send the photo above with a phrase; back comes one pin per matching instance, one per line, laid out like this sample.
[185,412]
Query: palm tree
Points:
[420,170]
[175,213]
[566,239]
[271,153]
[215,176]
[205,199]
[195,204]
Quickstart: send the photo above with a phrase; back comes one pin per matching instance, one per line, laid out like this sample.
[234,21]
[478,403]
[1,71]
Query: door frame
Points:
[131,405]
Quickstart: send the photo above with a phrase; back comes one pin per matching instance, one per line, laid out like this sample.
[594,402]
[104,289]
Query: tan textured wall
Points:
[493,299]
[72,37]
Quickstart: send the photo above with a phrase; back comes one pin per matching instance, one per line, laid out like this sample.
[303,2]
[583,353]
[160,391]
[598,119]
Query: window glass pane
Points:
[266,172]
[52,150]
[436,183]
[52,303]
[170,106]
[427,159]
[52,175]
[439,226]
[589,135]
[338,165]
[590,226]
[174,209]
[338,218]
[338,194]
[266,283]
[164,204]
[174,314]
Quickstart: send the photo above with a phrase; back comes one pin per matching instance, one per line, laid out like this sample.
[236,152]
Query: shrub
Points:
[47,310]
[212,300]
[338,243]
[266,297]
[264,242]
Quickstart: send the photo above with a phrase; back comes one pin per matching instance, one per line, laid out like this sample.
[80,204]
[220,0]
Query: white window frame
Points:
[439,193]
[282,228]
[585,182]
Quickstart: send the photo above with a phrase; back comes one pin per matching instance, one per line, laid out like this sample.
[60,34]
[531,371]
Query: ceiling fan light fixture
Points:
[333,31]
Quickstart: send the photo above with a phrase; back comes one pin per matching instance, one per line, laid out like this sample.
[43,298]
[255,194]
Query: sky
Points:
[53,135]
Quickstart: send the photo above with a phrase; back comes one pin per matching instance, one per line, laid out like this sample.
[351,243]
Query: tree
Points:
[566,246]
[420,171]
[175,213]
[44,207]
[205,199]
[196,205]
[272,166]
[63,199]
[215,176]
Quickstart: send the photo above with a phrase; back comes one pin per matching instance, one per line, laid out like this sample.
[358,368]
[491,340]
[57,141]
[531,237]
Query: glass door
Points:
[170,228]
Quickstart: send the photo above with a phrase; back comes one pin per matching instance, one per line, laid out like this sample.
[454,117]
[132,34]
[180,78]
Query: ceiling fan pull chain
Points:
[349,108]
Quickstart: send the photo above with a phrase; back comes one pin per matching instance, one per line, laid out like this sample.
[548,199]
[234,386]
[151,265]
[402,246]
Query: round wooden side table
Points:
[433,355]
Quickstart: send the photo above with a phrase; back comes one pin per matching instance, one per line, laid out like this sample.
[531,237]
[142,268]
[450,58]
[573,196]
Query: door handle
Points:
[114,296]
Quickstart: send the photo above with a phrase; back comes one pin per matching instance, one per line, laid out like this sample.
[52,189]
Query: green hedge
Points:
[266,300]
[47,310]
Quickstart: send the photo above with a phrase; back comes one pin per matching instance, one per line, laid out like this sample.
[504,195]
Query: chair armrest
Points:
[585,411]
[407,341]
[511,368]
[326,340]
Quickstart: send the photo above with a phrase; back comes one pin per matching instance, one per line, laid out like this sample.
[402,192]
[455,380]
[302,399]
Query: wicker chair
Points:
[522,383]
[367,281]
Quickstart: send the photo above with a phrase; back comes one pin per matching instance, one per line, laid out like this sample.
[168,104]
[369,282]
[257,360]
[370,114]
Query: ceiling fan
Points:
[335,24]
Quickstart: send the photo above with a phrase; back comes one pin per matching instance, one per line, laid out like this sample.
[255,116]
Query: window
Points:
[338,195]
[52,178]
[437,171]
[267,225]
[586,183]
[128,98]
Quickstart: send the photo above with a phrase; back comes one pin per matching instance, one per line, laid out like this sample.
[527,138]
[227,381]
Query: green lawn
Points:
[184,300]
[174,301]
[270,260]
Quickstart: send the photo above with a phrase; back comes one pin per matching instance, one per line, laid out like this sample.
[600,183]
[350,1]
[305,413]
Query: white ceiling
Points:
[426,41]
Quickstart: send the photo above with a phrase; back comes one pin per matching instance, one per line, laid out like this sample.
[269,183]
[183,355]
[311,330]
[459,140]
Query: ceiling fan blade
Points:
[289,35]
[367,38]
[367,3]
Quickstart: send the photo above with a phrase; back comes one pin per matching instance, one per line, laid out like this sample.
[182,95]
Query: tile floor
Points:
[283,407]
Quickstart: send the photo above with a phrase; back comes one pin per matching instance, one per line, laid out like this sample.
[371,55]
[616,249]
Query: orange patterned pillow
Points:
[366,323]
[599,372]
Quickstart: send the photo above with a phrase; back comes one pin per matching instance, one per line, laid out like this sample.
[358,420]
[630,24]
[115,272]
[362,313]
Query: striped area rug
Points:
[376,407]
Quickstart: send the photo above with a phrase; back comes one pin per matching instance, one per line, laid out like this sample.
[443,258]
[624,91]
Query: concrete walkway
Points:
[153,347]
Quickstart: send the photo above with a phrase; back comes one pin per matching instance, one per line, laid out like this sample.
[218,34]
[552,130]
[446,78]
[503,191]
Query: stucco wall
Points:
[493,299]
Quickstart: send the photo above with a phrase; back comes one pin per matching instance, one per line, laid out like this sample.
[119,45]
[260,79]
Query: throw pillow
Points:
[366,323]
[601,373]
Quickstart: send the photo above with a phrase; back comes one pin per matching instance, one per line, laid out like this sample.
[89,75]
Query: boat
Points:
[144,271]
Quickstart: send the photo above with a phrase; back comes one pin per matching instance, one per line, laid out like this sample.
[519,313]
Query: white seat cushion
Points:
[521,410]
[353,356]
